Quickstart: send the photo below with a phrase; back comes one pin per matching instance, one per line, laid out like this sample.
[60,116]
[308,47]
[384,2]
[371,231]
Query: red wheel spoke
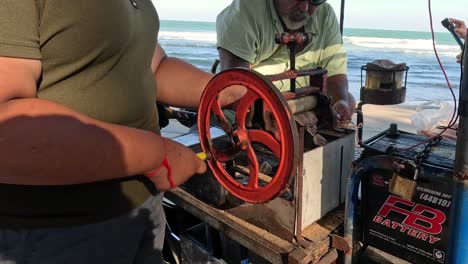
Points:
[253,168]
[217,111]
[266,139]
[244,105]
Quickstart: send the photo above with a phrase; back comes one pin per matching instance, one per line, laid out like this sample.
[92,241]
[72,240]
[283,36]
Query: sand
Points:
[379,117]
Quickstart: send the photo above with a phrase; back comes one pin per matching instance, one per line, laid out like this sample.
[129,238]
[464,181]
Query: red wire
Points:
[454,115]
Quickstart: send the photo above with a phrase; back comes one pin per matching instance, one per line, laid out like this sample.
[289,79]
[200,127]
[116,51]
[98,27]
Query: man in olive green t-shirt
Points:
[82,160]
[246,38]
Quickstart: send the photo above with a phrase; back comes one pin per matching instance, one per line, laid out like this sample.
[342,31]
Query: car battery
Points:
[415,228]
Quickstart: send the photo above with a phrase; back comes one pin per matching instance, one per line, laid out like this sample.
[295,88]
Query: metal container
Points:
[385,82]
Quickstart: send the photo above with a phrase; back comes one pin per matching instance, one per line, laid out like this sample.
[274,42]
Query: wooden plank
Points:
[329,258]
[374,255]
[324,226]
[255,239]
[276,216]
[312,254]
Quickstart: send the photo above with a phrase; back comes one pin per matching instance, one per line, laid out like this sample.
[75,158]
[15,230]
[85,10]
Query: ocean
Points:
[195,42]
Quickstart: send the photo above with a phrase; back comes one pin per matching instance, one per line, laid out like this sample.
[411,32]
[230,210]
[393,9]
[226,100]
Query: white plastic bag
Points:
[431,115]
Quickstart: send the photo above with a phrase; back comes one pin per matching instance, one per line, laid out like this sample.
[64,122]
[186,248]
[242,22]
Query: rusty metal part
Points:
[284,146]
[291,74]
[309,121]
[299,38]
[301,92]
[294,42]
[270,124]
[382,96]
[341,243]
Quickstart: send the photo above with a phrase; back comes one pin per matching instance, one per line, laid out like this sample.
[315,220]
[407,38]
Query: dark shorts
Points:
[137,237]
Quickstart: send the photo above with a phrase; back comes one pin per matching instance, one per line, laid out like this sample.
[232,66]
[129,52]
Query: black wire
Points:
[455,110]
[461,73]
[449,126]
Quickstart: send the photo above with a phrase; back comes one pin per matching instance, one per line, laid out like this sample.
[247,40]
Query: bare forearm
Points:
[180,83]
[337,88]
[43,143]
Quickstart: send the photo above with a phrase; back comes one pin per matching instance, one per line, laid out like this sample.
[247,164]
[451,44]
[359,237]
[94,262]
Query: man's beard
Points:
[297,22]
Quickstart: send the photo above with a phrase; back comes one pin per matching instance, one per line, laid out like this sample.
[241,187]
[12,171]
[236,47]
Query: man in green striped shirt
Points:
[246,38]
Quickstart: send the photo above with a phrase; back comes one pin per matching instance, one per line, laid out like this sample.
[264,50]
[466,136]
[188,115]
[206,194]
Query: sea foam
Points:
[419,46]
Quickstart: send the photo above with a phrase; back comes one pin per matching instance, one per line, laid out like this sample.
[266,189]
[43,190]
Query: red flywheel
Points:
[283,144]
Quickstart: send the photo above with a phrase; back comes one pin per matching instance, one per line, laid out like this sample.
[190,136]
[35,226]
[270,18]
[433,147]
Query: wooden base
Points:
[263,243]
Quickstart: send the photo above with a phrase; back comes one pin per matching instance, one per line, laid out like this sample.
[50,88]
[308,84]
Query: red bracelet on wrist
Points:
[165,164]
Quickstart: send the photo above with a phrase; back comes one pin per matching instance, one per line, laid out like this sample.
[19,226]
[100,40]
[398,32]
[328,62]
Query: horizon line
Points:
[200,21]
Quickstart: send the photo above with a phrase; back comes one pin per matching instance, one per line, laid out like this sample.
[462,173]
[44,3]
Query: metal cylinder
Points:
[461,157]
[459,242]
[303,104]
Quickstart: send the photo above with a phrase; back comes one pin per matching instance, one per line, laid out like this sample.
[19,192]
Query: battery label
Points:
[415,223]
[416,230]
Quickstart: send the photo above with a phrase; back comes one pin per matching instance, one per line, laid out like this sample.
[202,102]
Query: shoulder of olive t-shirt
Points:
[96,55]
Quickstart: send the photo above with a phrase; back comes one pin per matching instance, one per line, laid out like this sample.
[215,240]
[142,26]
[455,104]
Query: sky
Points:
[409,15]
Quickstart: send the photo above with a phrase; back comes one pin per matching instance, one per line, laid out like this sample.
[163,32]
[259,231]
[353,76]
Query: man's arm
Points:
[461,31]
[460,27]
[337,87]
[44,143]
[229,60]
[181,84]
[334,59]
[342,101]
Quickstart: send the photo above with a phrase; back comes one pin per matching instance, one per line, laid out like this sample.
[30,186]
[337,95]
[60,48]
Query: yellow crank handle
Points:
[203,156]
